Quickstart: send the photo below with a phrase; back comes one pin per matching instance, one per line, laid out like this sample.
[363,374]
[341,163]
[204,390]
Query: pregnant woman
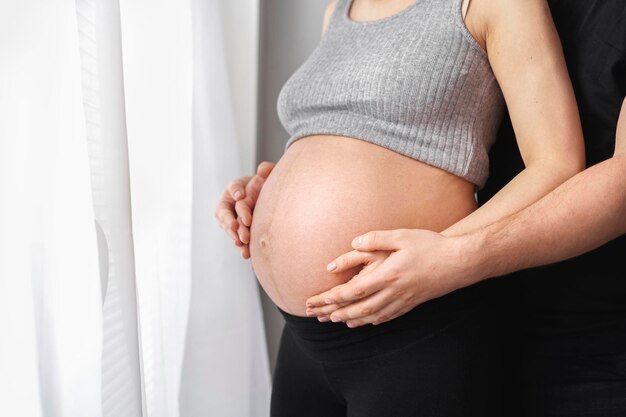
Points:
[390,120]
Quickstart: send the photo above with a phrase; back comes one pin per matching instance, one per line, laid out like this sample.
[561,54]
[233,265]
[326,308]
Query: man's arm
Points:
[524,51]
[581,214]
[584,212]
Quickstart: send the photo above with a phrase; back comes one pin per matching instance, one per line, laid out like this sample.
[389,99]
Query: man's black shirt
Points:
[585,296]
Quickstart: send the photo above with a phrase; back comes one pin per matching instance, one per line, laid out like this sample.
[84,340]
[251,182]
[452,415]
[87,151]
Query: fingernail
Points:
[335,319]
[237,194]
[357,241]
[331,266]
[329,301]
[323,319]
[310,313]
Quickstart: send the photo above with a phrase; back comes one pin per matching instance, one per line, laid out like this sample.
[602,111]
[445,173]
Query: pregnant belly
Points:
[326,190]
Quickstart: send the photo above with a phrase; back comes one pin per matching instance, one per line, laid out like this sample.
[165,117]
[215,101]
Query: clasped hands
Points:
[402,268]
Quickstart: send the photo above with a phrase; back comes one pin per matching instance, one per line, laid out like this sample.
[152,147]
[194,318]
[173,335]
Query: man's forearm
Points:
[581,214]
[526,188]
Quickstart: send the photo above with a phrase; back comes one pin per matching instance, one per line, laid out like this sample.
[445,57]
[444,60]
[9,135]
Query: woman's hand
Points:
[371,260]
[420,265]
[234,210]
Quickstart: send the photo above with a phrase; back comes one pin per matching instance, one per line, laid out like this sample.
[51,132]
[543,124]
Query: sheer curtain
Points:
[119,294]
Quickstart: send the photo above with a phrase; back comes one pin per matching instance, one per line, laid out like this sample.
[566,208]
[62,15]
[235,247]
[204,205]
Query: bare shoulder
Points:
[516,24]
[330,8]
[503,12]
[486,17]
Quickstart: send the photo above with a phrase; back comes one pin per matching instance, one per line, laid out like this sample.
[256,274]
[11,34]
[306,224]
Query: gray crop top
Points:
[415,82]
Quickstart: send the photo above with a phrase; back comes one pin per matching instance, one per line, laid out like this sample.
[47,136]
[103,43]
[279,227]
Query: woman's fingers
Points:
[245,252]
[245,206]
[367,306]
[361,286]
[234,209]
[317,301]
[244,212]
[349,260]
[265,168]
[234,234]
[243,232]
[237,187]
[227,221]
[368,283]
[225,212]
[324,310]
[390,311]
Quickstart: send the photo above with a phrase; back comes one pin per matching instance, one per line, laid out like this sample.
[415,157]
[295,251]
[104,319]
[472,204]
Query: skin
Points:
[583,213]
[532,74]
[234,209]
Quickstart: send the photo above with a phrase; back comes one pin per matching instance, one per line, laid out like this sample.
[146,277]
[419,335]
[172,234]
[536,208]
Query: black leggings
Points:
[564,363]
[440,359]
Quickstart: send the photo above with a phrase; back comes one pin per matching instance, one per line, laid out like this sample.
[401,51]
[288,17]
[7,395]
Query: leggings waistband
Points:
[331,341]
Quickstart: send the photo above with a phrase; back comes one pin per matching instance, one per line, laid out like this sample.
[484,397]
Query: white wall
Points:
[290,30]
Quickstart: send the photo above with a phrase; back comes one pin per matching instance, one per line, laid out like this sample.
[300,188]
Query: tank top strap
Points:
[338,16]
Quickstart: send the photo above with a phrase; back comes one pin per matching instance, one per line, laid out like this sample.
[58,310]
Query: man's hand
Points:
[420,266]
[234,210]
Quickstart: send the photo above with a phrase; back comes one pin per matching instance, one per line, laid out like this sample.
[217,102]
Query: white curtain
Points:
[119,294]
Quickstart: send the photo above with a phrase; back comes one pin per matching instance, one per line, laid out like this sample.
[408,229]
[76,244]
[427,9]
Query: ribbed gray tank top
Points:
[415,82]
